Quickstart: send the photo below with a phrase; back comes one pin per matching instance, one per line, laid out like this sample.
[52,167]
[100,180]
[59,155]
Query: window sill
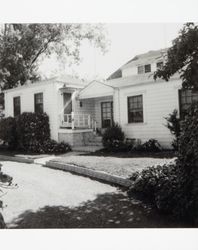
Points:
[136,124]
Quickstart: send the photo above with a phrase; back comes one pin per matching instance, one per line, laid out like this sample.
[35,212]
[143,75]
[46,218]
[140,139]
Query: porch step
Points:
[94,140]
[86,148]
[94,143]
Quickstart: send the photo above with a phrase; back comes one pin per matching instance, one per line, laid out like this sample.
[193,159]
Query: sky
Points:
[126,41]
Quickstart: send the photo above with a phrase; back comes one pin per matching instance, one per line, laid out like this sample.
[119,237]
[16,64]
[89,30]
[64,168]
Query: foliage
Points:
[113,138]
[152,145]
[23,46]
[30,132]
[5,182]
[173,124]
[32,129]
[182,57]
[49,146]
[8,131]
[164,186]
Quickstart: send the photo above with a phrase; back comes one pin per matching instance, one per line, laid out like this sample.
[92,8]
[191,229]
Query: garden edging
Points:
[16,158]
[112,179]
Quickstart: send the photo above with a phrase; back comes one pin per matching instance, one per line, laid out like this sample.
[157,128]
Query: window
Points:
[186,98]
[144,69]
[17,106]
[147,68]
[140,69]
[38,103]
[107,114]
[135,109]
[159,65]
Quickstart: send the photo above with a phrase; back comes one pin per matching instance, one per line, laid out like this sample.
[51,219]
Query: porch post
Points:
[72,119]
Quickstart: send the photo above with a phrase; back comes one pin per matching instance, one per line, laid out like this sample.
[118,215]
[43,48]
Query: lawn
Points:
[122,167]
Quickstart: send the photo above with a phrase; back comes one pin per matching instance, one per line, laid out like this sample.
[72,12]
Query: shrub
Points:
[163,186]
[8,132]
[113,138]
[51,146]
[32,129]
[188,158]
[151,145]
[173,124]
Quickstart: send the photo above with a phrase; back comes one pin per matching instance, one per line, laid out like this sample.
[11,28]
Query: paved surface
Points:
[39,187]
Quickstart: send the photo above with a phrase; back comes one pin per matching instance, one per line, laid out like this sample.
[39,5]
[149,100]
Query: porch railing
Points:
[75,120]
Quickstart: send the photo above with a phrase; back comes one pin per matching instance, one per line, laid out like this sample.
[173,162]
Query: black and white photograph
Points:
[98,125]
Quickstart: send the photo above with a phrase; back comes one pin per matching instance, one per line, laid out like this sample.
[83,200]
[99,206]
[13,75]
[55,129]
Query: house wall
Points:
[159,100]
[50,102]
[133,70]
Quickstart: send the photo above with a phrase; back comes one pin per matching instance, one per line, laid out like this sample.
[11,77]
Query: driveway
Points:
[47,198]
[39,187]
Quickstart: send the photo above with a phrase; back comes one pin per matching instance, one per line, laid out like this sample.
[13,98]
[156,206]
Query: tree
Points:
[182,57]
[23,46]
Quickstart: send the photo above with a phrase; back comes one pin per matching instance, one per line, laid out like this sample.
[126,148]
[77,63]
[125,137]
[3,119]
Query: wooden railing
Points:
[74,120]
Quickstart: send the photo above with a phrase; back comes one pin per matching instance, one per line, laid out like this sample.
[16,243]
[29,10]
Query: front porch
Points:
[84,116]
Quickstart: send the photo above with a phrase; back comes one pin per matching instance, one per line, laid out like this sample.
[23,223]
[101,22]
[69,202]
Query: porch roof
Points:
[96,89]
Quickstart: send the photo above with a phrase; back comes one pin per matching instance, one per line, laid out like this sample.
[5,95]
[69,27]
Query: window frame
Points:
[36,105]
[147,65]
[15,111]
[159,65]
[143,69]
[183,112]
[141,109]
[102,114]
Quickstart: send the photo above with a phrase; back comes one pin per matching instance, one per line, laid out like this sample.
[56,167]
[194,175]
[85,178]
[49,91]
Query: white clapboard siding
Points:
[26,94]
[159,100]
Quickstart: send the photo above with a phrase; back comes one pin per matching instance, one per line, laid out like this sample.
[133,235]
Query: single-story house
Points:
[78,110]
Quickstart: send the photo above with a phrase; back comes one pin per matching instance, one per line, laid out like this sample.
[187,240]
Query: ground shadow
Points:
[106,211]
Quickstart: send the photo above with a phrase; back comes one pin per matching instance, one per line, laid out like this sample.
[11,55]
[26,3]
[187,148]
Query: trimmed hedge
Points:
[8,131]
[30,132]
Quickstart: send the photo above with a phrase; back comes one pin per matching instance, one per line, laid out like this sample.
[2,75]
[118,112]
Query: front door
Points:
[107,114]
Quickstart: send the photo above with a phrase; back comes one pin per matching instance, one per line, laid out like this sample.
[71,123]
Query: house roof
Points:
[149,57]
[136,80]
[68,80]
[96,89]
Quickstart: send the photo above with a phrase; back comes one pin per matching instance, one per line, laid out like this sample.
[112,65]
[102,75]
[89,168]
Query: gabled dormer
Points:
[141,64]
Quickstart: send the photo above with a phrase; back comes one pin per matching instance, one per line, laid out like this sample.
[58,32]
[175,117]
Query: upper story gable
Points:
[141,64]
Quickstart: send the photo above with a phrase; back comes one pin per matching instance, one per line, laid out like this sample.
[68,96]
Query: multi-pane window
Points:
[135,109]
[17,105]
[159,65]
[186,98]
[38,103]
[107,114]
[147,68]
[144,69]
[140,69]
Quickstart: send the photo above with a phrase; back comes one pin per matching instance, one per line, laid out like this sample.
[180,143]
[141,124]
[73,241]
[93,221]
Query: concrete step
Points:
[98,138]
[93,143]
[86,148]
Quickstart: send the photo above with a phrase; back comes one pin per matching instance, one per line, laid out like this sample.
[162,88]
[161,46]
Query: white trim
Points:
[144,100]
[71,131]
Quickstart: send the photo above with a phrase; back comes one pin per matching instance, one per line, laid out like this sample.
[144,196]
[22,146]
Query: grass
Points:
[134,154]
